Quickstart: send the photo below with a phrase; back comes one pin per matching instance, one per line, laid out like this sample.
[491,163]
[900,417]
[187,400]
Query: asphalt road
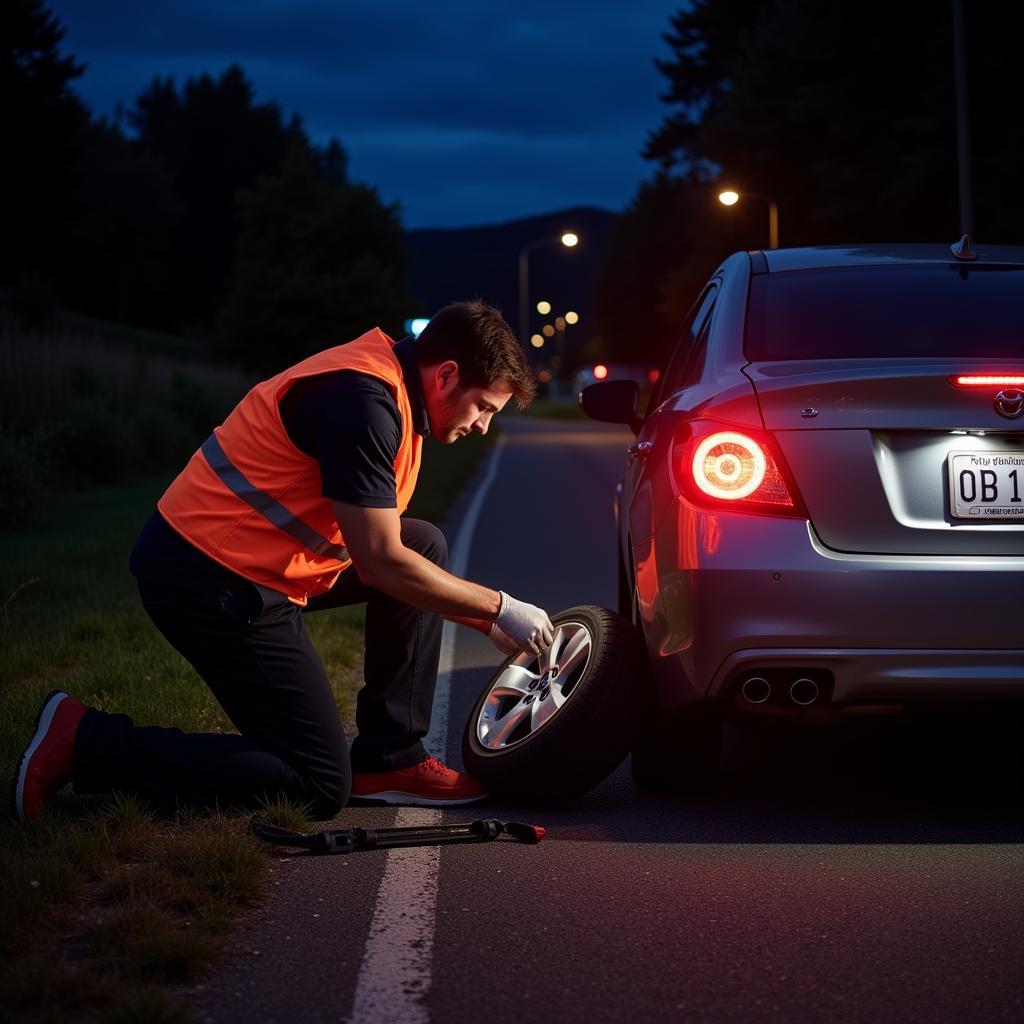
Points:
[872,874]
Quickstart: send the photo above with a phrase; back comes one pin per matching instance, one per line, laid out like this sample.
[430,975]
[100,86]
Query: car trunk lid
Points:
[873,446]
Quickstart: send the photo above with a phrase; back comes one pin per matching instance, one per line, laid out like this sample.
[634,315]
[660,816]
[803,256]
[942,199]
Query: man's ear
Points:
[446,376]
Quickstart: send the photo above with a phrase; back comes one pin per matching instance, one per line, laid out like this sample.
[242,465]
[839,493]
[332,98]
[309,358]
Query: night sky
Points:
[466,113]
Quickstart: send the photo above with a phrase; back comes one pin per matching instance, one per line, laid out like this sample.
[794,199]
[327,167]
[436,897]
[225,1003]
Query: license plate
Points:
[986,485]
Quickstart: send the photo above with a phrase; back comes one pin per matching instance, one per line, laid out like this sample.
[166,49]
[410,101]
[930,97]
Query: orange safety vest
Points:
[251,500]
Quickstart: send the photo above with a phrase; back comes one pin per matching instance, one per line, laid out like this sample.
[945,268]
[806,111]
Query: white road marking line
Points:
[436,740]
[394,978]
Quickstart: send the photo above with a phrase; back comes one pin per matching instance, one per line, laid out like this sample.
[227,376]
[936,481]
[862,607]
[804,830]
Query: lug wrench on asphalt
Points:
[353,840]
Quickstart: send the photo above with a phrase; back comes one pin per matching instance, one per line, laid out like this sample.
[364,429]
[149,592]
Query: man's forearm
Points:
[415,580]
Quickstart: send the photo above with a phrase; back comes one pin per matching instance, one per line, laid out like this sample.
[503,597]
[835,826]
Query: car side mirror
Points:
[613,401]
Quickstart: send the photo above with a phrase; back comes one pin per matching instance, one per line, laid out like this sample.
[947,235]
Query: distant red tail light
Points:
[742,470]
[600,371]
[982,380]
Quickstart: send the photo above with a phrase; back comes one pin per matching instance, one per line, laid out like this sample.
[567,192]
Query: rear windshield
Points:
[887,313]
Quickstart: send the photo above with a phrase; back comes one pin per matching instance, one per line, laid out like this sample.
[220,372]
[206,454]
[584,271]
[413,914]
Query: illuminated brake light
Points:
[729,465]
[975,380]
[743,471]
[600,371]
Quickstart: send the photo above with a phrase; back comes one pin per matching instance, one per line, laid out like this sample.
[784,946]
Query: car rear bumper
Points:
[724,593]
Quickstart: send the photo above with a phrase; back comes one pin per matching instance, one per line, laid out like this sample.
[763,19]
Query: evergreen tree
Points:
[42,123]
[842,113]
[215,141]
[320,259]
[121,236]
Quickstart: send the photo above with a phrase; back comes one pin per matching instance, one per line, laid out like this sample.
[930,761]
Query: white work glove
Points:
[522,624]
[503,641]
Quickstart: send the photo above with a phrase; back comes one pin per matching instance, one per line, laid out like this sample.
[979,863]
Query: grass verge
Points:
[105,907]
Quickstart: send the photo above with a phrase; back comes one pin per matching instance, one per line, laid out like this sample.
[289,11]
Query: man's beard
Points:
[447,414]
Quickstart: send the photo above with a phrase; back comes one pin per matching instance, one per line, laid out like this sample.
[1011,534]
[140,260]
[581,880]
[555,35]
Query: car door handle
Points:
[640,449]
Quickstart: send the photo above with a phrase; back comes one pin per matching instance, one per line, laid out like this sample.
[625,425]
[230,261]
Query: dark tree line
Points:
[842,112]
[211,215]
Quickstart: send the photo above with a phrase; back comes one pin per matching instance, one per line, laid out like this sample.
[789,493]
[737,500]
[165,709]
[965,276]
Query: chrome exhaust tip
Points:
[756,690]
[803,692]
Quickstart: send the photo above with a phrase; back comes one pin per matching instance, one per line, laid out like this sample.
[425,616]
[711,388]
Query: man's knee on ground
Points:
[329,791]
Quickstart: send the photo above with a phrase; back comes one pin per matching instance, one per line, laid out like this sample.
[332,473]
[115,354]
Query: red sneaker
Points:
[47,762]
[427,784]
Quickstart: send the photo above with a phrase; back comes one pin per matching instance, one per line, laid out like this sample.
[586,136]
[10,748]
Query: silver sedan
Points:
[823,510]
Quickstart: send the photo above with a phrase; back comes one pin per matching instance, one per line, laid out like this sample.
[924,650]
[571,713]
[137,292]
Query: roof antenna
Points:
[962,250]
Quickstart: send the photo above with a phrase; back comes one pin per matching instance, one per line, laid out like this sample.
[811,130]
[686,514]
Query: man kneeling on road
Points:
[293,504]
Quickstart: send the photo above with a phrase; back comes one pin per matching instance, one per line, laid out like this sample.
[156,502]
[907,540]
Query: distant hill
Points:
[463,263]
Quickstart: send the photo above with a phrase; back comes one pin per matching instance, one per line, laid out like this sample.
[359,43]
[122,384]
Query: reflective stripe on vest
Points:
[267,506]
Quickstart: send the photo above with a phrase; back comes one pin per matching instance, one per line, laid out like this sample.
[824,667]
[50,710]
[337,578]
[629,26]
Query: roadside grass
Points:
[107,905]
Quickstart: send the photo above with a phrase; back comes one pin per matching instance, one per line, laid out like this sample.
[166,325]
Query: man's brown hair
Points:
[476,336]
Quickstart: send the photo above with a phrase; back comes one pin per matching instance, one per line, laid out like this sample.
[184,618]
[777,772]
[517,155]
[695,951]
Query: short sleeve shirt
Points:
[349,422]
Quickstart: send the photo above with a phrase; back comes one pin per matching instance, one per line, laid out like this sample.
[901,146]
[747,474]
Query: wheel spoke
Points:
[576,652]
[515,680]
[550,657]
[542,710]
[556,695]
[503,727]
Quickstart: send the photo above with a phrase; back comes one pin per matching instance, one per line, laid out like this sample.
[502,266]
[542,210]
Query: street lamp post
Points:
[568,239]
[731,198]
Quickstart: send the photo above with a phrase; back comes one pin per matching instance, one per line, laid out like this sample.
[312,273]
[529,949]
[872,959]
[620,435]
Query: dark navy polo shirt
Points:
[349,422]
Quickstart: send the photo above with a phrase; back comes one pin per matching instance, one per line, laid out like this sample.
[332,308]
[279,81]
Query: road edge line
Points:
[436,740]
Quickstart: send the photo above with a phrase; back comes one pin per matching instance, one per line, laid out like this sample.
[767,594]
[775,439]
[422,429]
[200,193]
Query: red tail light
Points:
[721,467]
[987,380]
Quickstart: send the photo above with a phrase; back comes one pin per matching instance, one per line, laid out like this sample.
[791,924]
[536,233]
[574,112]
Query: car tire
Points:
[679,752]
[518,753]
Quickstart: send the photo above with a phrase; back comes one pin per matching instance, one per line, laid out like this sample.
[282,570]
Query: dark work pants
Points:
[250,646]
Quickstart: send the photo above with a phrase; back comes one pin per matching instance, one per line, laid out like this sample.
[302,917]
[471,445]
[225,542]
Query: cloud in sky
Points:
[466,113]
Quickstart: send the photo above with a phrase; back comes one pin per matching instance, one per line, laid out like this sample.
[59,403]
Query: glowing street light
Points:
[543,307]
[572,317]
[568,239]
[537,341]
[731,198]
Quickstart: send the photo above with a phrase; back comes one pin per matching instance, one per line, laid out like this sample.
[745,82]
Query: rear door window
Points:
[887,312]
[687,352]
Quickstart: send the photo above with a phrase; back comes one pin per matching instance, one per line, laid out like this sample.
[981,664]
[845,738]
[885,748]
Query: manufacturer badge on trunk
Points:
[1010,403]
